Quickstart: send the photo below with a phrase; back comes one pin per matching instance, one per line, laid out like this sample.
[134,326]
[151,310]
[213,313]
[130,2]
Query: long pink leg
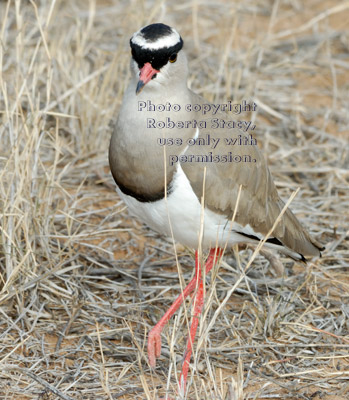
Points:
[154,338]
[199,302]
[198,305]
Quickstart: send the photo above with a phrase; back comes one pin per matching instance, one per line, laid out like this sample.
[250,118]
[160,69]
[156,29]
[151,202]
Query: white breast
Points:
[181,212]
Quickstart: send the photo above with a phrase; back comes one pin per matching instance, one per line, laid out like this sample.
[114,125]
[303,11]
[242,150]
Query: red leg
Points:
[198,305]
[199,302]
[154,338]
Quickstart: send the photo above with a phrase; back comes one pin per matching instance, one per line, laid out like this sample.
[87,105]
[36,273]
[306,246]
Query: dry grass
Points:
[82,282]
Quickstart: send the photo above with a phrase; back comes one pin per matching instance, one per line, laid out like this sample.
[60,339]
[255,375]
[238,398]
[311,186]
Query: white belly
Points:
[181,215]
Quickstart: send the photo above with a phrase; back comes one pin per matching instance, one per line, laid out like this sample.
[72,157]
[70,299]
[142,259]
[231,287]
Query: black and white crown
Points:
[155,43]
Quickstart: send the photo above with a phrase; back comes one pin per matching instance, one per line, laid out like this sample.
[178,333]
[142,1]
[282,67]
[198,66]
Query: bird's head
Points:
[157,58]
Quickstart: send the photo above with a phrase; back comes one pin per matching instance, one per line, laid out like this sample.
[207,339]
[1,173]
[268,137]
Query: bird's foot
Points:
[154,346]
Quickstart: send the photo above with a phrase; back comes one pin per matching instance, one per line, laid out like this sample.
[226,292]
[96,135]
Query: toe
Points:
[154,347]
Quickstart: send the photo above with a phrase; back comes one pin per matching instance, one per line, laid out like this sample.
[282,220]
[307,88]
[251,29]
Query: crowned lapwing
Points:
[180,164]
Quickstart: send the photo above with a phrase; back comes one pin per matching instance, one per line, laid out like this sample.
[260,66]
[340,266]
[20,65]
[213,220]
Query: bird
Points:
[187,178]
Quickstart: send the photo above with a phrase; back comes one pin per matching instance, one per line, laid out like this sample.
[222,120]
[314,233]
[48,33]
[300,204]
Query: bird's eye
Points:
[173,58]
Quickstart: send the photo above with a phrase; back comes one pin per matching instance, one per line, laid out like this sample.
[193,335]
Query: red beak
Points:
[145,75]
